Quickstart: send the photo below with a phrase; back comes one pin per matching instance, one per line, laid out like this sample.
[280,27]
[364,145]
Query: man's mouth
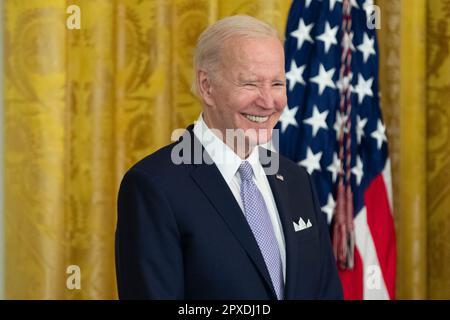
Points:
[257,119]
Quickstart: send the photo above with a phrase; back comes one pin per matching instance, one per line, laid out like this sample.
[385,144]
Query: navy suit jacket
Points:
[182,235]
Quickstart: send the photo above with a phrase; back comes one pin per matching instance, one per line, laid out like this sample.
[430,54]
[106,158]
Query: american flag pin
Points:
[280,177]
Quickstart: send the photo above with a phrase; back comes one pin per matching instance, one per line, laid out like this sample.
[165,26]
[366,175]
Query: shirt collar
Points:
[226,160]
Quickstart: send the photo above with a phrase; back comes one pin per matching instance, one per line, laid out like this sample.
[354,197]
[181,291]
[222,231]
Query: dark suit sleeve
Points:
[330,286]
[149,262]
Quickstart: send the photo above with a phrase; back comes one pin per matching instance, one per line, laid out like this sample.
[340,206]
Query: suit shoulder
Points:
[159,163]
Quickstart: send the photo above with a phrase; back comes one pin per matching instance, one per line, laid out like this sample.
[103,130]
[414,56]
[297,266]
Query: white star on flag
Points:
[379,134]
[328,36]
[360,124]
[345,82]
[303,33]
[358,170]
[295,75]
[348,41]
[335,167]
[367,47]
[340,121]
[363,88]
[354,3]
[317,121]
[312,161]
[329,208]
[288,117]
[324,79]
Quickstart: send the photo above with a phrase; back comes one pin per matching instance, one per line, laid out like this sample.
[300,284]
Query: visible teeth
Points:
[256,118]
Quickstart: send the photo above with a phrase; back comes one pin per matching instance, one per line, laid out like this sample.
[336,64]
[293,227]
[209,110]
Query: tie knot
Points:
[245,170]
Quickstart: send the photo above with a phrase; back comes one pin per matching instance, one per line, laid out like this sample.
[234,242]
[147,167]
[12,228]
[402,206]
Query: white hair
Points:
[209,45]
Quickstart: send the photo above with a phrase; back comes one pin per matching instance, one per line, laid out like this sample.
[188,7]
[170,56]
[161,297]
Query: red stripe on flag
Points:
[381,226]
[352,280]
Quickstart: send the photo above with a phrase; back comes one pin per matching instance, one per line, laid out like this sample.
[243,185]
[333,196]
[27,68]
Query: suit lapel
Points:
[212,184]
[280,193]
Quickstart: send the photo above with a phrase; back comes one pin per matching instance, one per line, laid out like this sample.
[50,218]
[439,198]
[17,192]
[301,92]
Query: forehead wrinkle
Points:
[239,62]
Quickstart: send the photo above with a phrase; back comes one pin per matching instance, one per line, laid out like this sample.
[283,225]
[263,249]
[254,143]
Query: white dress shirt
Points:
[228,164]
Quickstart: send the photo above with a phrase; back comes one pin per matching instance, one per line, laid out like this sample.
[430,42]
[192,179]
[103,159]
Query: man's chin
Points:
[258,137]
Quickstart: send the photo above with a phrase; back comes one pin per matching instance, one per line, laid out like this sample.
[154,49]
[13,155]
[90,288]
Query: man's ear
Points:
[204,85]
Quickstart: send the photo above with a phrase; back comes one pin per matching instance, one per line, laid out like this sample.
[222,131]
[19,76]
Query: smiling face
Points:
[249,92]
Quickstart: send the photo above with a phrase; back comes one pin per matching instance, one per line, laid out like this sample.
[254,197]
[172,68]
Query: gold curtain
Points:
[81,106]
[438,148]
[415,85]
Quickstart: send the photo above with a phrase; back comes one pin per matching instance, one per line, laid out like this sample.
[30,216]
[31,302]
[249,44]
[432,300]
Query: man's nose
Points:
[266,98]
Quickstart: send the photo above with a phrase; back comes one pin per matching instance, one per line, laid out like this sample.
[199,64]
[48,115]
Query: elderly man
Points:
[225,227]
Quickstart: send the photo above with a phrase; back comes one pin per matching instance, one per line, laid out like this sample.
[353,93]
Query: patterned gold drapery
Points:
[415,85]
[81,106]
[438,148]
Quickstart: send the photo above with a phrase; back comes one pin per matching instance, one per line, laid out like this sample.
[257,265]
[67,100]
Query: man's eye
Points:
[279,84]
[249,84]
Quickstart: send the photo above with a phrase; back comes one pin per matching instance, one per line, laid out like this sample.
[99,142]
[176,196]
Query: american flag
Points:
[333,127]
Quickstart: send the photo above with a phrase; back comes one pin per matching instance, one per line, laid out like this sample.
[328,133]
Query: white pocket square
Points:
[301,225]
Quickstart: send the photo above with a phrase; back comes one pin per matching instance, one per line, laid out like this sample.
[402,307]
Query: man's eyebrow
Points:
[248,80]
[251,78]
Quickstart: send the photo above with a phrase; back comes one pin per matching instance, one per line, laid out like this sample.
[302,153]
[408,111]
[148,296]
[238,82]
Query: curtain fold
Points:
[403,87]
[90,146]
[438,148]
[412,260]
[35,149]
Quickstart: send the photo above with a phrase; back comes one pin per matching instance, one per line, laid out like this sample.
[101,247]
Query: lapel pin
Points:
[280,177]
